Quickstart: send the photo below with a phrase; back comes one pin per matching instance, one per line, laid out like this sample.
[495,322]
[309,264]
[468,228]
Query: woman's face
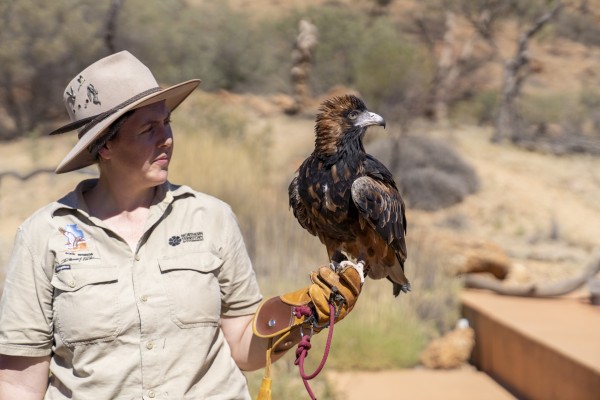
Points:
[142,149]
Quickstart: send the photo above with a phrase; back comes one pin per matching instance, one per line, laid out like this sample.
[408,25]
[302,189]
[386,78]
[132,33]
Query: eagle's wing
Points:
[380,205]
[299,209]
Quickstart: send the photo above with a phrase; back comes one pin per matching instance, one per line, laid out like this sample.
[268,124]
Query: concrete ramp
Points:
[538,348]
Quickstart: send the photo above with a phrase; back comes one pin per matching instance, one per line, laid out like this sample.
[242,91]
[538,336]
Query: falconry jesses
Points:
[349,199]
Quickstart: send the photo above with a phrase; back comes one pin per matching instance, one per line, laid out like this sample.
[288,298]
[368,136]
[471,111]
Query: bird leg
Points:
[338,256]
[341,260]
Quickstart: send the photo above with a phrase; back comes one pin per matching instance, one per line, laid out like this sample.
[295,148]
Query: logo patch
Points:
[62,267]
[76,240]
[175,240]
[185,238]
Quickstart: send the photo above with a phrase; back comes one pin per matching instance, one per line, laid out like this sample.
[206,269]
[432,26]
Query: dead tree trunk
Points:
[442,78]
[450,67]
[514,75]
[302,60]
[110,27]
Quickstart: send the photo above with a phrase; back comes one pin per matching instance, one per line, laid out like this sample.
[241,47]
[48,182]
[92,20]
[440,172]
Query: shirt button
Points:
[137,257]
[149,345]
[151,394]
[144,298]
[71,283]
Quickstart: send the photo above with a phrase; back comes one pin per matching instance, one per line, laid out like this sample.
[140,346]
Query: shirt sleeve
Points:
[26,304]
[239,288]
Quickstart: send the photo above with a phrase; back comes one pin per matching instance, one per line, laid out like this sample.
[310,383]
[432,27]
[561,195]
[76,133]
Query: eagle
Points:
[347,198]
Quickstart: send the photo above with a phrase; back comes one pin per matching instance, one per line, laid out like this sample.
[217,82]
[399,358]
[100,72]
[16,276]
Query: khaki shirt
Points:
[124,325]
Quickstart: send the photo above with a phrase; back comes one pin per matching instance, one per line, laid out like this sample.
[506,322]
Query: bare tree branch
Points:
[39,171]
[535,289]
[27,176]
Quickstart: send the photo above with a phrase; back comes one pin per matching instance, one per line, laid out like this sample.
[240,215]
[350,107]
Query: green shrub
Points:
[580,27]
[44,44]
[390,70]
[547,108]
[222,46]
[480,109]
[574,113]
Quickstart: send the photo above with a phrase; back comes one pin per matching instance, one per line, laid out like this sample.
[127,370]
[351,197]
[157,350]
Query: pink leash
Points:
[304,346]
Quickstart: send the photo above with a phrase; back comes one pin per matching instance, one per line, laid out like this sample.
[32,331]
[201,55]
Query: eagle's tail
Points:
[400,287]
[399,280]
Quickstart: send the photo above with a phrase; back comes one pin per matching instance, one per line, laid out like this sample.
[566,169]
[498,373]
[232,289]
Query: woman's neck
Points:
[124,210]
[109,198]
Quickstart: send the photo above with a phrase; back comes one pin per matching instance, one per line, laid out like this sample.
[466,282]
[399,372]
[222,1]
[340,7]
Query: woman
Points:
[130,286]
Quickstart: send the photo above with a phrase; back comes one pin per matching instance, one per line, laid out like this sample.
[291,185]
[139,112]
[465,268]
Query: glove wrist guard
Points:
[284,319]
[275,319]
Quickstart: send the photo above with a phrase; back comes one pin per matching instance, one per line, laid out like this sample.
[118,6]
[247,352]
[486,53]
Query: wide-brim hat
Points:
[103,92]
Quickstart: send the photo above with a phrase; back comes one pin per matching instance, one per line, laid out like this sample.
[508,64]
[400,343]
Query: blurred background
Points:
[493,136]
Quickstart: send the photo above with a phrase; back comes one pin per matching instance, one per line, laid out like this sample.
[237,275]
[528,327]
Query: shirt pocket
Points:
[86,304]
[192,286]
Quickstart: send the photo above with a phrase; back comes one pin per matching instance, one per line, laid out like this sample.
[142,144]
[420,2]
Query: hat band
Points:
[89,122]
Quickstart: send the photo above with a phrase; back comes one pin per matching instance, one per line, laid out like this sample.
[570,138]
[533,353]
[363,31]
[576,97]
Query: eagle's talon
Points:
[335,266]
[359,267]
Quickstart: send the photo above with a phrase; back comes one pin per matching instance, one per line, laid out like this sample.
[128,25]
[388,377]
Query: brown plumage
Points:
[349,199]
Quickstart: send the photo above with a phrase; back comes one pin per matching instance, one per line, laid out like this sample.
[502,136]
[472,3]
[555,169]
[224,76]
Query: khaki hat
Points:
[103,92]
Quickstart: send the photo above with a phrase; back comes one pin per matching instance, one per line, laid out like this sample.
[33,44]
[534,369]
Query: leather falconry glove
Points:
[284,319]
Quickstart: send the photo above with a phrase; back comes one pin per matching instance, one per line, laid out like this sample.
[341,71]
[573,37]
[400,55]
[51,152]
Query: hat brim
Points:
[80,157]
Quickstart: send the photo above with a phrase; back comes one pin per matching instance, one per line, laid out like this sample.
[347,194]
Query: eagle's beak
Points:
[368,118]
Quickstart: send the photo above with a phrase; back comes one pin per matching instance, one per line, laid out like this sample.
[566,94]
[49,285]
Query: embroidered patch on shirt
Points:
[76,240]
[62,267]
[186,237]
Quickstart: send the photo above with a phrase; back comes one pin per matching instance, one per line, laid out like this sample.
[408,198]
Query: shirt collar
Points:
[165,194]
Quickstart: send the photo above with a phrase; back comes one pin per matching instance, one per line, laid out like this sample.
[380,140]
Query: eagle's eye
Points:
[353,115]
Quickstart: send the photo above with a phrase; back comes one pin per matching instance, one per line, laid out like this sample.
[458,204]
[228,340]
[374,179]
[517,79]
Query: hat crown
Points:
[106,84]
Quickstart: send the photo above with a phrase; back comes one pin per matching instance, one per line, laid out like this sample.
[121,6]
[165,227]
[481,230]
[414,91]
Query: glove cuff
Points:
[275,319]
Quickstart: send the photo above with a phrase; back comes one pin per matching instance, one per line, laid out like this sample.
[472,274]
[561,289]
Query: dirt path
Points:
[462,384]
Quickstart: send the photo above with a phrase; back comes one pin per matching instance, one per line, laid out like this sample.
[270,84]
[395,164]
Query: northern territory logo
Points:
[186,237]
[75,238]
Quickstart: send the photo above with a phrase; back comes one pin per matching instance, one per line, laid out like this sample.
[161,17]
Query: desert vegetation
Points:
[435,69]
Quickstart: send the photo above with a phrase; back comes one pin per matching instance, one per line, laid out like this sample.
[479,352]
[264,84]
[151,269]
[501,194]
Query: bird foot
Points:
[358,266]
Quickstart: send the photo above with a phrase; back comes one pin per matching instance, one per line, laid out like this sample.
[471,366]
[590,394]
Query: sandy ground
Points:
[461,384]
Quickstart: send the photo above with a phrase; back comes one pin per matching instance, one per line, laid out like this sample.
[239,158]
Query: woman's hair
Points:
[111,132]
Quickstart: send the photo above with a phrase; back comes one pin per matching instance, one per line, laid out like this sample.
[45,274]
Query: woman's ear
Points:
[105,152]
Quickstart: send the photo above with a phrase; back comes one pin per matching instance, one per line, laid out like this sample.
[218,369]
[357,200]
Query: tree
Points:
[439,26]
[44,44]
[514,74]
[457,60]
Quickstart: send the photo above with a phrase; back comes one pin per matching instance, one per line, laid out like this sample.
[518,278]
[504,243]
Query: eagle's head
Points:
[341,123]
